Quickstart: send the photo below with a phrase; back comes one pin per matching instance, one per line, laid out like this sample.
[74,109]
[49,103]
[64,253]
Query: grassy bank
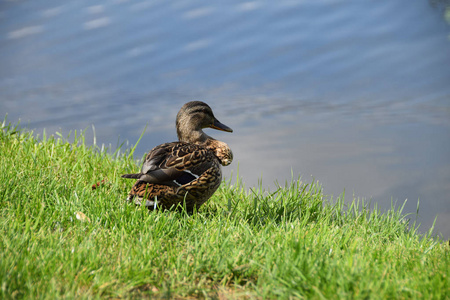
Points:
[61,239]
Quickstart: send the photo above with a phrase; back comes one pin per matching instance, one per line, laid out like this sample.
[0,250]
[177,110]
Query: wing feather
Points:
[174,164]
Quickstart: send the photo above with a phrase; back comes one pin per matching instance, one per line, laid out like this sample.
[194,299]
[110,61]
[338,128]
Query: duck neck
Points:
[190,135]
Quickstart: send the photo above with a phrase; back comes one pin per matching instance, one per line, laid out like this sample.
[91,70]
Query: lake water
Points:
[353,94]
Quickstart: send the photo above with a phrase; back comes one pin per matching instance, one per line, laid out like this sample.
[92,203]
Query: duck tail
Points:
[132,176]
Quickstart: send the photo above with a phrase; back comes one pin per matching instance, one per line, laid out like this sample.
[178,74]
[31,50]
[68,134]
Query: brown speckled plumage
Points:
[184,173]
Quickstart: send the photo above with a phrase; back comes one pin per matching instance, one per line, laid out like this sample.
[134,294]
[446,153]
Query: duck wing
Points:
[174,164]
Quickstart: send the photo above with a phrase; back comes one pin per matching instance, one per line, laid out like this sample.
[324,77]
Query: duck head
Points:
[192,118]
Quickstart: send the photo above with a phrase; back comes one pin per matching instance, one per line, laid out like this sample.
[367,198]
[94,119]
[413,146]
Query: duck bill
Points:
[219,126]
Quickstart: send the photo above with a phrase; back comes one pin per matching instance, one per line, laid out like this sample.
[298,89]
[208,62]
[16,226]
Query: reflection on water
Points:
[354,94]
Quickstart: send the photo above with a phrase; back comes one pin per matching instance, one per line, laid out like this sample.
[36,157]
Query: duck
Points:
[186,173]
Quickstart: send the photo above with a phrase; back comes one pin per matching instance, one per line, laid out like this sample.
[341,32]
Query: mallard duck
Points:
[184,173]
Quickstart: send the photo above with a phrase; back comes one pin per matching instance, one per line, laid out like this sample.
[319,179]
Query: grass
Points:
[61,239]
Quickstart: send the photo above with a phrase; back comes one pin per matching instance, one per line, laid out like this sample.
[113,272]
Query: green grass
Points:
[290,243]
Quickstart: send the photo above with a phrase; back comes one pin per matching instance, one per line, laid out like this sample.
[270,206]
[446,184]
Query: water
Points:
[354,94]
